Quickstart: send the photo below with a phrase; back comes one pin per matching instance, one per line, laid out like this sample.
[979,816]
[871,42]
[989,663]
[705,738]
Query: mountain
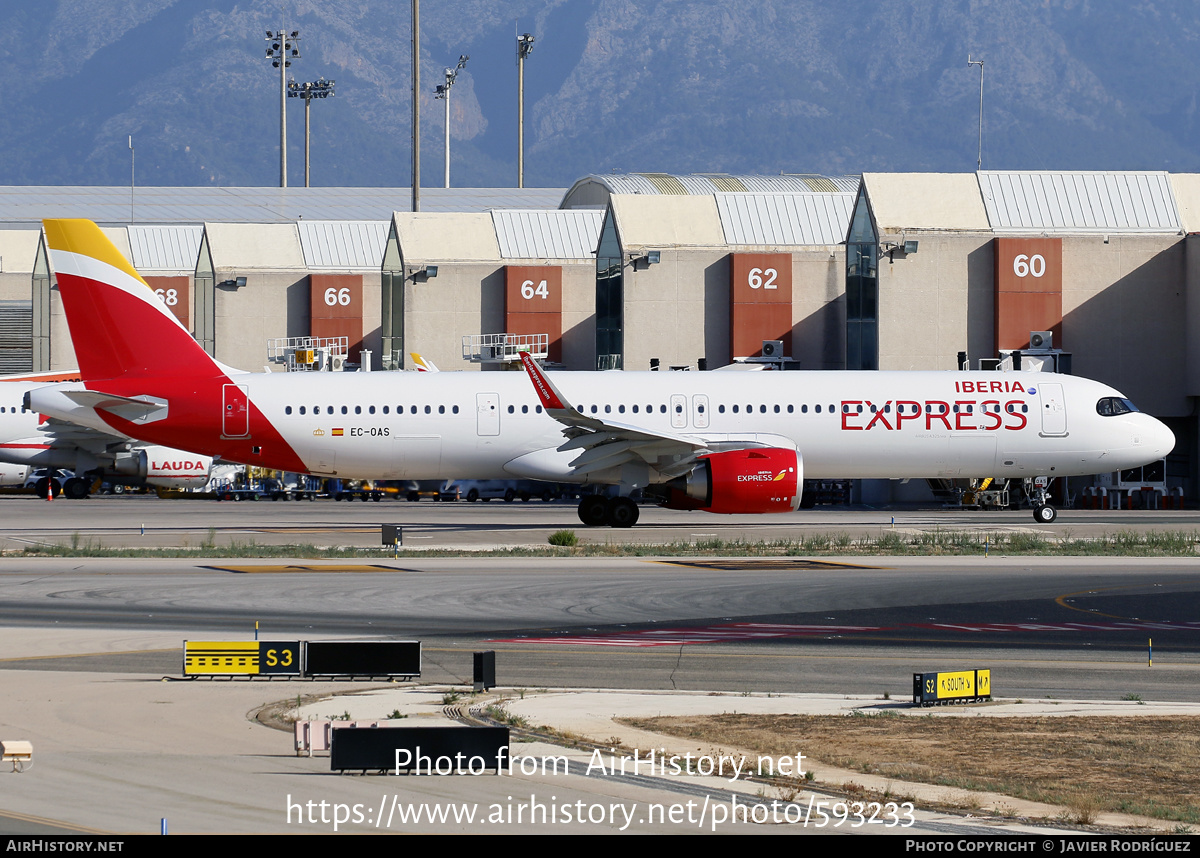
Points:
[612,85]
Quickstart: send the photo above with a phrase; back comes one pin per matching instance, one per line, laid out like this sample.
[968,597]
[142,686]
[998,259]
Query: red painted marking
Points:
[541,384]
[704,634]
[741,632]
[129,348]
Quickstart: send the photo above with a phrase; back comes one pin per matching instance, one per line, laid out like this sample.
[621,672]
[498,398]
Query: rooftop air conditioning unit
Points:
[772,348]
[1041,340]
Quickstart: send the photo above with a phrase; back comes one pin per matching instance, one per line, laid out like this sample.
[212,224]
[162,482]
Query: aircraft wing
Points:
[604,444]
[60,433]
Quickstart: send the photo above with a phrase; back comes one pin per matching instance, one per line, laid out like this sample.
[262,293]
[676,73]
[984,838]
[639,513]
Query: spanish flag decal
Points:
[337,433]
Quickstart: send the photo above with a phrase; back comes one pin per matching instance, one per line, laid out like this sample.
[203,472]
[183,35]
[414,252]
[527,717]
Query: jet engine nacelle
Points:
[165,466]
[758,480]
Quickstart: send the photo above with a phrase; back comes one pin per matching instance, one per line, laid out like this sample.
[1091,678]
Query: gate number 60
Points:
[1024,265]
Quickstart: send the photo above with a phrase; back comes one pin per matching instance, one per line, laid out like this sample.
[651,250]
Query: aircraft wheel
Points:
[117,489]
[593,510]
[622,512]
[76,488]
[1044,514]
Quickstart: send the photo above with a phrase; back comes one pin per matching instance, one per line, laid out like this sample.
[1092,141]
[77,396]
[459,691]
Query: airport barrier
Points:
[421,750]
[317,735]
[302,659]
[956,686]
[363,658]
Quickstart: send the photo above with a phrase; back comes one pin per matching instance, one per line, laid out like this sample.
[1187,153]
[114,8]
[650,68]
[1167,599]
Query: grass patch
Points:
[886,543]
[1144,766]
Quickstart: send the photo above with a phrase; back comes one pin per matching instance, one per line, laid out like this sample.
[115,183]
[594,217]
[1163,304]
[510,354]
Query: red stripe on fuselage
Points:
[194,421]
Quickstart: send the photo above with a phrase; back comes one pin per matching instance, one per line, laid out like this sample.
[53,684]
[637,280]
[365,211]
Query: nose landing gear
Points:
[1035,489]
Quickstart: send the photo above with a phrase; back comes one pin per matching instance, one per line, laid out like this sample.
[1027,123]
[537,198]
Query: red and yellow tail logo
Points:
[118,325]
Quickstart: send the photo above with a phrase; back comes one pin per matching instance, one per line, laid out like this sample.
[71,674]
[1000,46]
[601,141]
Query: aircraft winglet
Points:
[551,399]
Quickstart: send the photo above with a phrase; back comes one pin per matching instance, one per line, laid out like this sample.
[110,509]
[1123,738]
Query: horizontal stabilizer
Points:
[141,409]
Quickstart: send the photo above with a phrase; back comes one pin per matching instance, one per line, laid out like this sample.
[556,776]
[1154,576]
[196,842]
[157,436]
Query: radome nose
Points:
[1162,439]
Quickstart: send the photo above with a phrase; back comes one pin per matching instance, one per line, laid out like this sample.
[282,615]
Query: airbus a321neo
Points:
[725,442]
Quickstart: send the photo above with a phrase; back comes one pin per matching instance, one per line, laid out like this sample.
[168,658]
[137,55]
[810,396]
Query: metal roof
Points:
[164,248]
[1079,201]
[705,184]
[29,204]
[785,219]
[343,244]
[547,233]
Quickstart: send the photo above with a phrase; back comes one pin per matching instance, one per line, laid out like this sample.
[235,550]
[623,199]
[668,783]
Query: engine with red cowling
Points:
[751,480]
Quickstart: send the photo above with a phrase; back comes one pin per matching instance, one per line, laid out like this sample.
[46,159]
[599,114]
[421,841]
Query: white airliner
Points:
[32,440]
[721,442]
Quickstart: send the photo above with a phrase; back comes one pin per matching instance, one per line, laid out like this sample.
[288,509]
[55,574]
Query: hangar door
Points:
[533,304]
[760,294]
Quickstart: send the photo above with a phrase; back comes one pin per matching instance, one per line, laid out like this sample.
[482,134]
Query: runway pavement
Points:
[87,643]
[146,521]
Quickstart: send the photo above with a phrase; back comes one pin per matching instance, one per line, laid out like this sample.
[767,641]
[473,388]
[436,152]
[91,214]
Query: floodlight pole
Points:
[971,62]
[281,52]
[524,48]
[416,105]
[446,96]
[320,88]
[132,183]
[283,123]
[443,91]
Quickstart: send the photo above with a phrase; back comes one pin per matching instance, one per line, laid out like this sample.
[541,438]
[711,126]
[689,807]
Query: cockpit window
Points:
[1111,406]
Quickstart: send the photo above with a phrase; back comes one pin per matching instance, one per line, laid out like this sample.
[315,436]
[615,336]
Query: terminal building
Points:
[1084,272]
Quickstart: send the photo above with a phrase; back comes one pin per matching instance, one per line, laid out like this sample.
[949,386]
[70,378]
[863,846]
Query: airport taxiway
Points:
[87,642]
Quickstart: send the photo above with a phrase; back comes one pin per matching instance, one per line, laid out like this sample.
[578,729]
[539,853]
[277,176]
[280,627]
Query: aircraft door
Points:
[679,415]
[1054,409]
[487,414]
[700,411]
[235,411]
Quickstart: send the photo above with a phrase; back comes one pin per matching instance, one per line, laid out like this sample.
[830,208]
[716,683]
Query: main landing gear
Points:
[597,511]
[1043,513]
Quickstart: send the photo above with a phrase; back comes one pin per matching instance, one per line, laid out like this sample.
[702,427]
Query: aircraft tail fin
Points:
[423,364]
[118,325]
